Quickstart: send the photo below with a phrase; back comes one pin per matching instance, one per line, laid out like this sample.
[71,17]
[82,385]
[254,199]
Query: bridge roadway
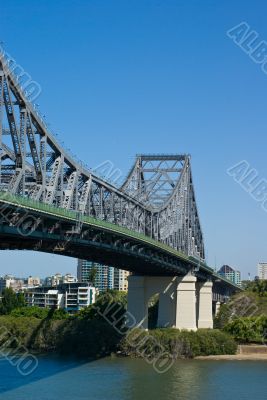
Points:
[31,225]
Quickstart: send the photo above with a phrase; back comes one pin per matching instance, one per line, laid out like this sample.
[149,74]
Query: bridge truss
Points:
[156,199]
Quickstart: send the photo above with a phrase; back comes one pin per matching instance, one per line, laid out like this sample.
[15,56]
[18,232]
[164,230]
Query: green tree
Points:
[21,300]
[92,275]
[9,301]
[248,329]
[110,306]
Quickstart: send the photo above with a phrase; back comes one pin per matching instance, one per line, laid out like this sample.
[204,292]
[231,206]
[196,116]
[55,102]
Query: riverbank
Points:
[175,344]
[95,338]
[235,357]
[245,352]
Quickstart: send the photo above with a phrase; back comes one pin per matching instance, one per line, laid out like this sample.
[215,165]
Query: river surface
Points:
[130,379]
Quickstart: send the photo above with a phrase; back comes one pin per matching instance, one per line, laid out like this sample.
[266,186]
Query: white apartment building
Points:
[51,298]
[78,297]
[70,296]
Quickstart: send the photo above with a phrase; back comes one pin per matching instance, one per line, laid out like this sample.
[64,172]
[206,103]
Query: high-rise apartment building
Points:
[106,277]
[262,270]
[231,274]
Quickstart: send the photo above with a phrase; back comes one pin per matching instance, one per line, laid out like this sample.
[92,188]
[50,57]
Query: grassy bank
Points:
[245,315]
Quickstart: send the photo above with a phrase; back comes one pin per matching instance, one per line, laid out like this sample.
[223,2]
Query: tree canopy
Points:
[10,301]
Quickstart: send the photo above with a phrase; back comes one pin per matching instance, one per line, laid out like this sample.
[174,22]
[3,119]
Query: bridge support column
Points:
[205,319]
[217,307]
[167,307]
[141,289]
[177,301]
[186,303]
[137,306]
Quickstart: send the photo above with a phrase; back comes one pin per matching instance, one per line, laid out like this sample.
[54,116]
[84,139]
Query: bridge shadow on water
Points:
[48,365]
[14,375]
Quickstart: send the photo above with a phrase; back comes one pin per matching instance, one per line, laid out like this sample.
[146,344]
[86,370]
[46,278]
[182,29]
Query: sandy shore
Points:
[237,357]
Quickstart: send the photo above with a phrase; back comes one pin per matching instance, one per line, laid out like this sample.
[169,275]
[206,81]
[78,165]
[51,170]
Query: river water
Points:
[130,379]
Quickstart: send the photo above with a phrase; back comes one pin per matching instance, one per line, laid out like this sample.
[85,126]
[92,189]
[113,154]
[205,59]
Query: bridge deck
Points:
[43,208]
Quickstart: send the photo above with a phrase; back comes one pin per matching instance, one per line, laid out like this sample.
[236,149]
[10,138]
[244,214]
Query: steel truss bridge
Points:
[52,203]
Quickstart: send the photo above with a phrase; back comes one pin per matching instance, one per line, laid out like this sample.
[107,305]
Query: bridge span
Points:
[149,225]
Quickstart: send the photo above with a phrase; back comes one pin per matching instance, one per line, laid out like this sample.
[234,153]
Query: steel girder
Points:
[157,198]
[164,184]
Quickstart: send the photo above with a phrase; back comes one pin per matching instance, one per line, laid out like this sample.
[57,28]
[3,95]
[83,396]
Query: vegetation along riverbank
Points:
[95,333]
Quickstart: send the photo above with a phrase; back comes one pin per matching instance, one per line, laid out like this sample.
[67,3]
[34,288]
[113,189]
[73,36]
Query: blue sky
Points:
[140,76]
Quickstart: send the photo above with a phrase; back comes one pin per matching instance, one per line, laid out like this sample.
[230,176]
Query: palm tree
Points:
[92,275]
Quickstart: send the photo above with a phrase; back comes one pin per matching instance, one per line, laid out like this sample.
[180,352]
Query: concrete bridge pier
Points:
[204,300]
[184,303]
[140,291]
[217,307]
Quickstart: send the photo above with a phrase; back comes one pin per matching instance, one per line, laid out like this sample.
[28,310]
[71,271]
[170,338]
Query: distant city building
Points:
[68,278]
[3,284]
[121,279]
[57,279]
[9,281]
[262,270]
[70,296]
[106,277]
[33,281]
[231,274]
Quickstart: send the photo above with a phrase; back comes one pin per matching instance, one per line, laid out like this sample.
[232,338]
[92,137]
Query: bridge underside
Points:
[51,230]
[87,250]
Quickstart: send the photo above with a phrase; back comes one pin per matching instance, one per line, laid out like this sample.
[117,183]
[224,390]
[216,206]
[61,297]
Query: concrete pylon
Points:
[137,305]
[186,303]
[205,319]
[177,301]
[167,306]
[141,289]
[217,307]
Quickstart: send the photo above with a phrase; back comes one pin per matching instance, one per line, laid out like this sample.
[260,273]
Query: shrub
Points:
[87,338]
[110,305]
[35,312]
[248,329]
[40,313]
[177,343]
[58,314]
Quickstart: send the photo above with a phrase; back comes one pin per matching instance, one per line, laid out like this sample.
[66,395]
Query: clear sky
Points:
[152,76]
